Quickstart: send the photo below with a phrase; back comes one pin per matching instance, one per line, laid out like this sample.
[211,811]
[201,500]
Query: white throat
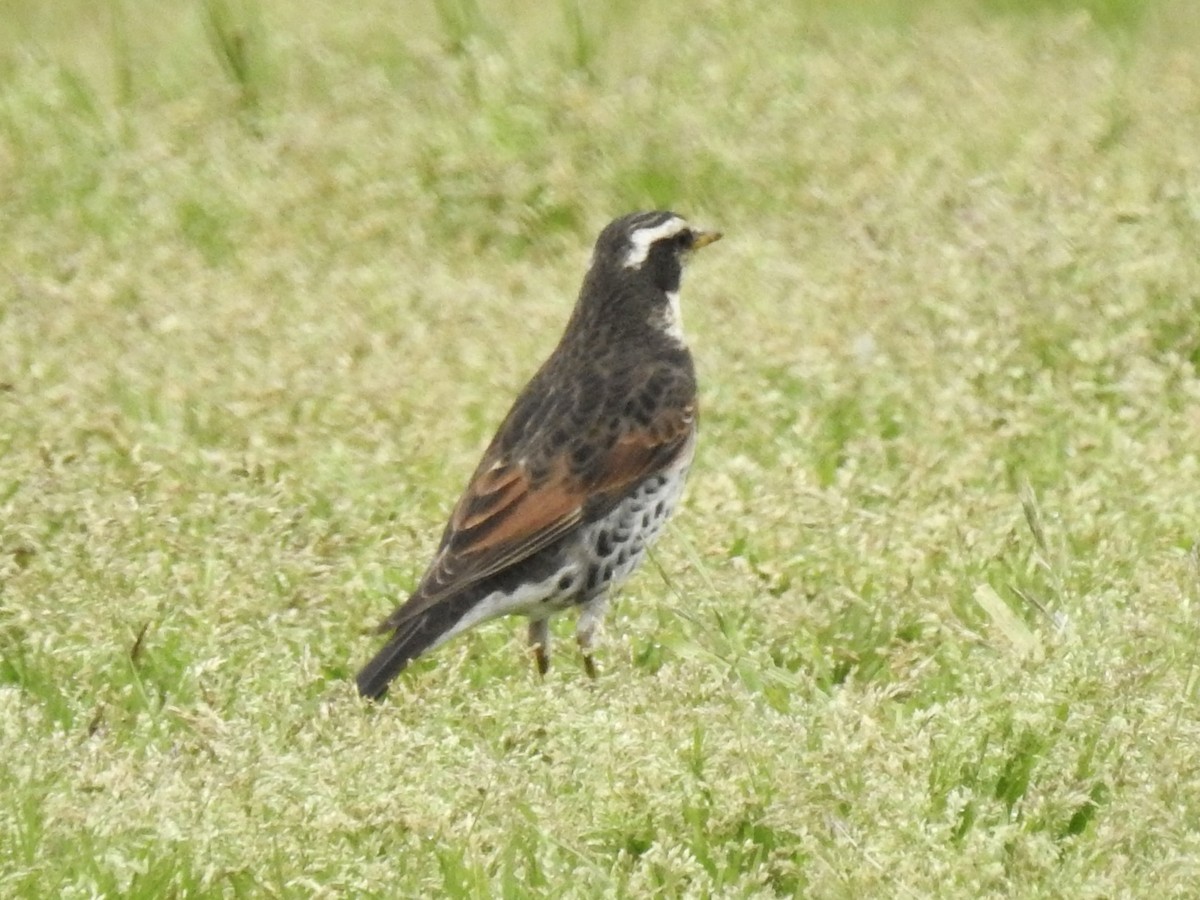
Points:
[672,322]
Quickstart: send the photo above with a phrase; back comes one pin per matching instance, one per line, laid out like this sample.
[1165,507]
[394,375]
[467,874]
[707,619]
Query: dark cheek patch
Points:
[664,267]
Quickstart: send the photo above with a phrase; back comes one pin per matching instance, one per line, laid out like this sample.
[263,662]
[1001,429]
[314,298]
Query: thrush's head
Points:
[636,270]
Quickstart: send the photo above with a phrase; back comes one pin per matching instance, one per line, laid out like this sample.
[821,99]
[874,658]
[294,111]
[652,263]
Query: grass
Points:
[927,625]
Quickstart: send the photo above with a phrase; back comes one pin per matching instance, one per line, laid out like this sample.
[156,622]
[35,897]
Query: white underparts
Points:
[525,599]
[645,238]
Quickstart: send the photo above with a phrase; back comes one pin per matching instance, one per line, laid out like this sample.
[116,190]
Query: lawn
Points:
[927,623]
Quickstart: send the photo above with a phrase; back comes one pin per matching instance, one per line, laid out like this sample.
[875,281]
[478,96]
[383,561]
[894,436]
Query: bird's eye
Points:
[685,239]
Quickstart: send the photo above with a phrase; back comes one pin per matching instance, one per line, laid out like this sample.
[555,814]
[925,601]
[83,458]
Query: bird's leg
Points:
[585,631]
[539,643]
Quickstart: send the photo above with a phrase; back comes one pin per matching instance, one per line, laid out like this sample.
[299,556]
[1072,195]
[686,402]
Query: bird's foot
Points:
[539,643]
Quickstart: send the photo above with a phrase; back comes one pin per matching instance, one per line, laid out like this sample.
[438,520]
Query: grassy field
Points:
[927,624]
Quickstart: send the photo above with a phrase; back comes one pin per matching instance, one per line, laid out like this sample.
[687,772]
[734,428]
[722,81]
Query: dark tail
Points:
[410,640]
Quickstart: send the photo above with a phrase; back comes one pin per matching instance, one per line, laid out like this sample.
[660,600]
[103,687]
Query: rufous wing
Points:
[505,516]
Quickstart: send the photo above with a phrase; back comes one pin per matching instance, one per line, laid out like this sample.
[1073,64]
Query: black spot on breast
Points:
[565,583]
[623,556]
[660,509]
[604,544]
[646,520]
[593,577]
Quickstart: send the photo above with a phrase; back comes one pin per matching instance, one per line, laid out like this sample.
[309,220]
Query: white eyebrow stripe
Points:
[644,238]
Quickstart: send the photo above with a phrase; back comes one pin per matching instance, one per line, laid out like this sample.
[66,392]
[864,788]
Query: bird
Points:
[584,470]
